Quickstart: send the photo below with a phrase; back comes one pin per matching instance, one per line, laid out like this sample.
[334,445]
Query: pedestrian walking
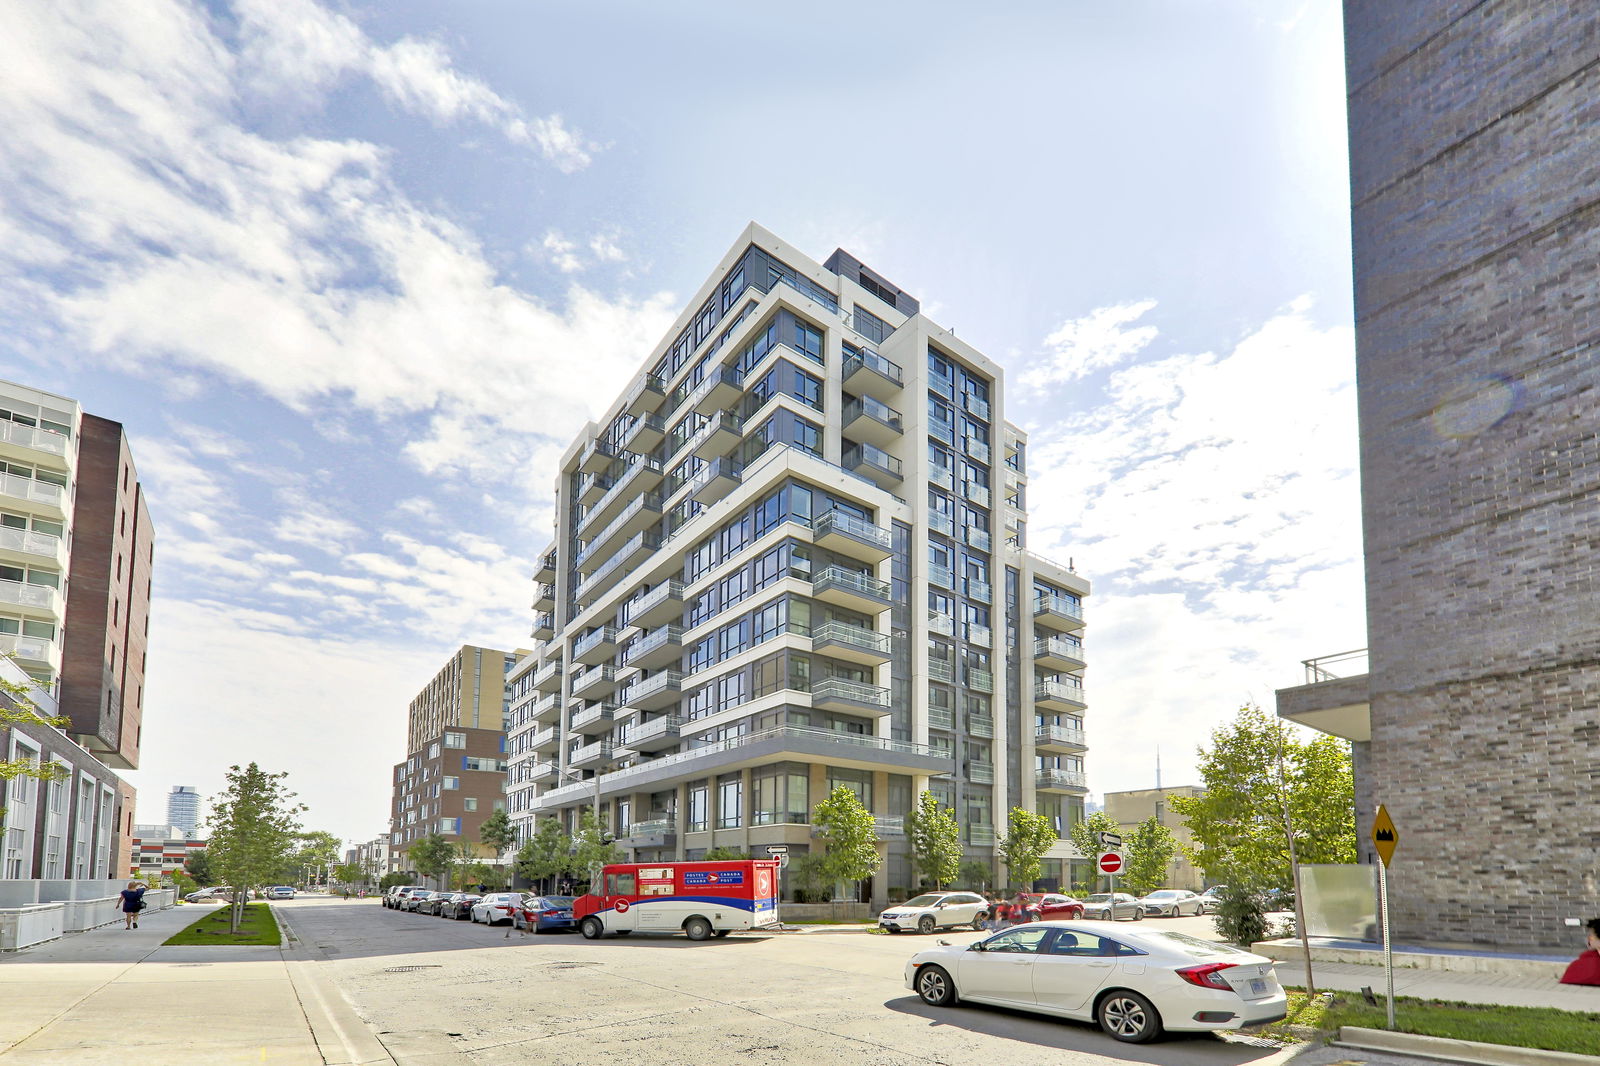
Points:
[1585,969]
[132,904]
[1002,915]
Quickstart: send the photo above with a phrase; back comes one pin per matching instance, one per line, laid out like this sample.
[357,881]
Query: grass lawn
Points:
[257,927]
[1532,1027]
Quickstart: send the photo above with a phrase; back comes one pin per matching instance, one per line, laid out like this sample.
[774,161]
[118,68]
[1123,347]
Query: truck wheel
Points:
[591,928]
[697,928]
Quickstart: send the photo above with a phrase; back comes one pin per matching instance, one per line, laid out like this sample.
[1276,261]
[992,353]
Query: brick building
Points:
[1473,136]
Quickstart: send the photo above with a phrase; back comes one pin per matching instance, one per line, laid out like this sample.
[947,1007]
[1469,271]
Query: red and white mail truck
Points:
[700,899]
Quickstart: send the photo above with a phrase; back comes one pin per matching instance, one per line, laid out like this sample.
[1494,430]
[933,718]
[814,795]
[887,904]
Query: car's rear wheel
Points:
[1138,915]
[697,928]
[591,928]
[925,924]
[1129,1017]
[935,987]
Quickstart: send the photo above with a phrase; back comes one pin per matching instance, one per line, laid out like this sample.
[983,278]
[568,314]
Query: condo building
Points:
[791,556]
[183,808]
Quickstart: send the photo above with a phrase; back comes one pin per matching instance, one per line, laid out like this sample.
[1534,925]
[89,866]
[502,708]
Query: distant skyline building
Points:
[789,558]
[183,807]
[1474,231]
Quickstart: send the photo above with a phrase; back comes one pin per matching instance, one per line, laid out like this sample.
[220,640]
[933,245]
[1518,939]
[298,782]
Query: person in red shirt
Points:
[1002,914]
[1585,969]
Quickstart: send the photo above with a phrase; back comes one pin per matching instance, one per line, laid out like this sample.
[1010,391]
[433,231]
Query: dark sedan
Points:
[457,905]
[545,914]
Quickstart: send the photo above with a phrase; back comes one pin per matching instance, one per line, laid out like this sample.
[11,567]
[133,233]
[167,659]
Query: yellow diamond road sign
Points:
[1384,835]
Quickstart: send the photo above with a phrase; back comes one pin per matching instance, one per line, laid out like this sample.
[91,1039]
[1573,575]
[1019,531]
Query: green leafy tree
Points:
[18,708]
[255,827]
[935,840]
[348,873]
[1150,847]
[499,836]
[808,874]
[849,836]
[976,875]
[547,854]
[1085,835]
[198,867]
[388,881]
[1028,837]
[725,854]
[433,856]
[592,847]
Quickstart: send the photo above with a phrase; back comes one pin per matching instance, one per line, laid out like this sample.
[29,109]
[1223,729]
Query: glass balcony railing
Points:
[852,526]
[867,359]
[941,623]
[1058,605]
[941,523]
[940,670]
[1058,690]
[941,719]
[589,641]
[839,689]
[980,773]
[864,584]
[1054,778]
[942,476]
[980,680]
[872,457]
[877,410]
[1060,736]
[854,636]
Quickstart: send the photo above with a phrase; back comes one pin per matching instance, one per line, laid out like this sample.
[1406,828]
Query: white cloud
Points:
[1213,501]
[562,253]
[1103,338]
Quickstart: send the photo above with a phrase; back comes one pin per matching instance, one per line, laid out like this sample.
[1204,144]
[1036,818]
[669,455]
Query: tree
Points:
[935,840]
[808,874]
[548,854]
[18,708]
[1150,847]
[348,873]
[978,876]
[592,847]
[1273,801]
[432,856]
[317,850]
[1028,837]
[254,827]
[499,836]
[388,881]
[198,867]
[849,835]
[1085,835]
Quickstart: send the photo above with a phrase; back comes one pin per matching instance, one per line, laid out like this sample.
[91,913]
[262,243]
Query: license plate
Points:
[1258,986]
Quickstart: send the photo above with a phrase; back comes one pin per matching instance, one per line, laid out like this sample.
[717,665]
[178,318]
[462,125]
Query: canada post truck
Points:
[700,899]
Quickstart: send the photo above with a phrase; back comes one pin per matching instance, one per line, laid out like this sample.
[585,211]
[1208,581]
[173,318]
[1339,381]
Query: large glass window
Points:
[781,793]
[730,802]
[699,807]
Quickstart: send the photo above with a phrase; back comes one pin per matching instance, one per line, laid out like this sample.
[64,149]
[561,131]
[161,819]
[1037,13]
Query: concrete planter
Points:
[825,912]
[22,927]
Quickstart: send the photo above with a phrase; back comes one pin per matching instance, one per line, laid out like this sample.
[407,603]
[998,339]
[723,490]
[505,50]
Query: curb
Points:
[1450,1050]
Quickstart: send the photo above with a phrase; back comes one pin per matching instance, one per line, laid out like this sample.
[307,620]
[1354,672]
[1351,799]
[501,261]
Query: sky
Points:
[354,275]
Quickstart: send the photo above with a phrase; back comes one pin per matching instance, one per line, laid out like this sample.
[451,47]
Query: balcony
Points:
[655,833]
[942,576]
[1069,782]
[717,437]
[1336,697]
[719,389]
[39,601]
[547,709]
[594,719]
[546,741]
[546,570]
[27,546]
[593,486]
[976,449]
[596,646]
[842,694]
[941,719]
[840,640]
[642,437]
[980,836]
[22,439]
[591,754]
[943,432]
[596,456]
[1058,696]
[980,680]
[943,477]
[871,420]
[1060,738]
[869,374]
[941,670]
[978,537]
[715,481]
[595,681]
[654,734]
[941,523]
[655,692]
[941,623]
[645,396]
[1057,613]
[661,647]
[36,651]
[853,589]
[889,825]
[848,534]
[36,497]
[641,514]
[874,464]
[979,591]
[641,476]
[548,677]
[544,773]
[1058,653]
[664,603]
[634,549]
[982,636]
[977,492]
[980,725]
[980,773]
[544,596]
[978,408]
[544,626]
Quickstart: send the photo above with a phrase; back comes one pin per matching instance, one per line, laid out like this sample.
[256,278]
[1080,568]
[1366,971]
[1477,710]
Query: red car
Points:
[1052,906]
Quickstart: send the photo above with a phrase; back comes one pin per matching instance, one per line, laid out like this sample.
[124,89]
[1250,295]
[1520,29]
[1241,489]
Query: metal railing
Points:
[852,526]
[855,636]
[865,584]
[840,688]
[1322,667]
[870,360]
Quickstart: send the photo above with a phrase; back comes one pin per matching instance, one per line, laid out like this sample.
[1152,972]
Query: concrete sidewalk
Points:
[101,996]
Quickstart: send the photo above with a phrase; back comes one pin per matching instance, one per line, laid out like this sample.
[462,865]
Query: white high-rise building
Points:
[183,808]
[791,557]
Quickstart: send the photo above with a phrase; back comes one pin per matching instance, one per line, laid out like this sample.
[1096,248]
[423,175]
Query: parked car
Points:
[545,914]
[1136,983]
[1112,906]
[397,896]
[218,894]
[497,907]
[1211,899]
[935,910]
[1171,903]
[430,904]
[1053,906]
[457,905]
[415,898]
[280,892]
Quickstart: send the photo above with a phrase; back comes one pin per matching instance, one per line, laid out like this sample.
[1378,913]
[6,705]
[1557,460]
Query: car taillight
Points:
[548,914]
[1208,975]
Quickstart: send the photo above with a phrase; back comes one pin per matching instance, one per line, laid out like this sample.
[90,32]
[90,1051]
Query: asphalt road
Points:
[442,992]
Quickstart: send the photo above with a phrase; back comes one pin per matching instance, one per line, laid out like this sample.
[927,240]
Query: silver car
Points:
[1172,903]
[1112,906]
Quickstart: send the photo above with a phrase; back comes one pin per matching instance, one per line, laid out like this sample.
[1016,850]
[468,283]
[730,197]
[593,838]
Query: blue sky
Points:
[352,275]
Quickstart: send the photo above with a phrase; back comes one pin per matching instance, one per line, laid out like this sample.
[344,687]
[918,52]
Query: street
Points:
[832,996]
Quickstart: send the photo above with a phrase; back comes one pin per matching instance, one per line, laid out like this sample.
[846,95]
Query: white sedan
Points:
[496,907]
[1136,983]
[1172,902]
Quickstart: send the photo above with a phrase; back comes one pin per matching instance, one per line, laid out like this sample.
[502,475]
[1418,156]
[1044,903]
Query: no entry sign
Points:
[1110,863]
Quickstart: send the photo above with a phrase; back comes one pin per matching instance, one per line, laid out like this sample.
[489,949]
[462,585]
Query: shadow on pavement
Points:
[1173,1049]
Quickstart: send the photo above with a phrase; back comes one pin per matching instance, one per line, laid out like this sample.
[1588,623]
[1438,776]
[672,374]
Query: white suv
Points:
[935,910]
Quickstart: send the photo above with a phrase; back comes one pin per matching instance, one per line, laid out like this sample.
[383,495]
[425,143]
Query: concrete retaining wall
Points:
[825,912]
[35,923]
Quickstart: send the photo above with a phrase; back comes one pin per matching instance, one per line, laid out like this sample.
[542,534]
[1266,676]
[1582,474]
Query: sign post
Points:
[1110,864]
[1385,838]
